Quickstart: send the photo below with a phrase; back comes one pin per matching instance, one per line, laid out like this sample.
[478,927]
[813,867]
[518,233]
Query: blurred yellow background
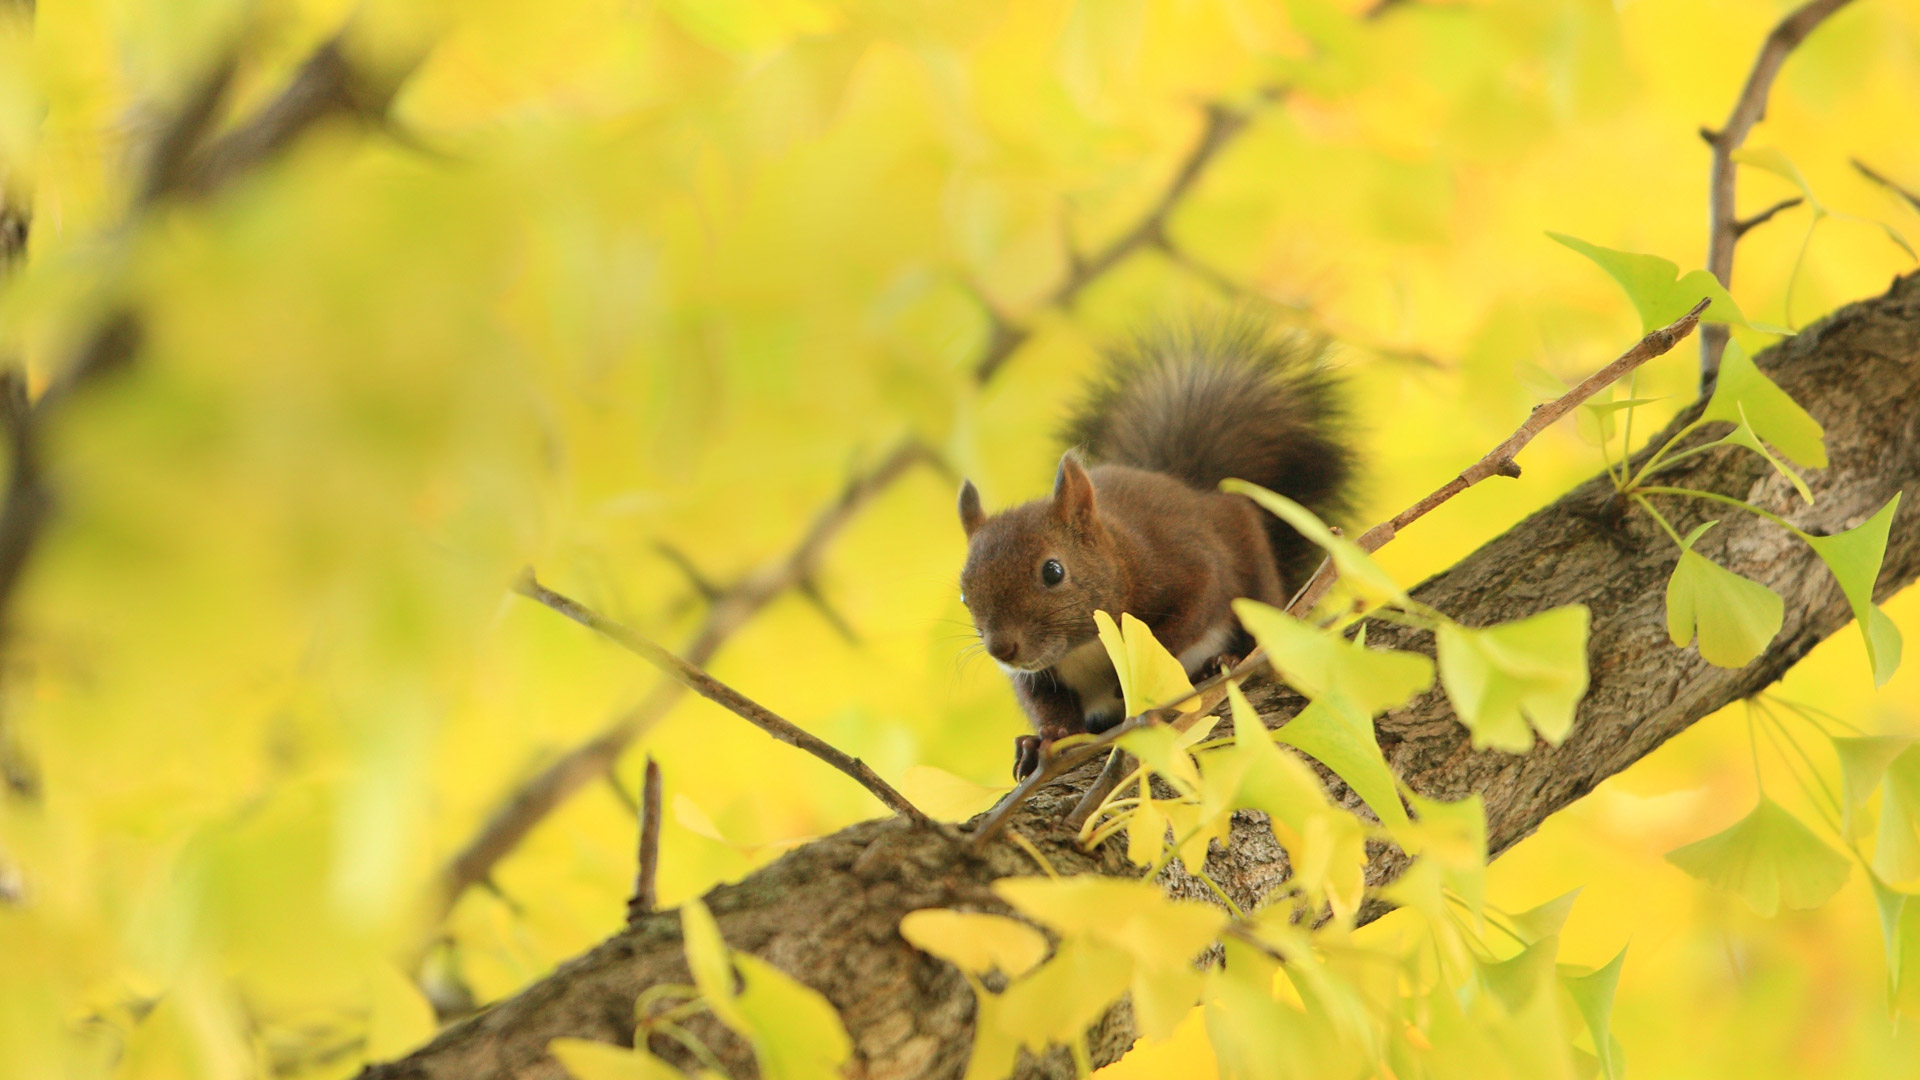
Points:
[624,273]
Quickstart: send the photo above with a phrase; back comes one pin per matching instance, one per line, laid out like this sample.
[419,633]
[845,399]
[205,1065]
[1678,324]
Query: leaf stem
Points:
[1634,483]
[1714,496]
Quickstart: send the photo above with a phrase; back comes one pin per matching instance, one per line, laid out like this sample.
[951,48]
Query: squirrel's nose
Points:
[1003,649]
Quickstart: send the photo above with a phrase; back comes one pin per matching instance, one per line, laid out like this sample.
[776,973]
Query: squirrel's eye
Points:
[1052,573]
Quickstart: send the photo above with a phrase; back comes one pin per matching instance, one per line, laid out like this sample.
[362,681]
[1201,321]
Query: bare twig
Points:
[1747,225]
[1497,462]
[697,680]
[529,804]
[644,894]
[1912,199]
[1724,226]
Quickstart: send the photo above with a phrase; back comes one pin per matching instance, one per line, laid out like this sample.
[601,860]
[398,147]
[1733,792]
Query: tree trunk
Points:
[827,912]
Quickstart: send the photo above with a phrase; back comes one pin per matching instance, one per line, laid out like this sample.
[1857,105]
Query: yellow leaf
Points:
[975,942]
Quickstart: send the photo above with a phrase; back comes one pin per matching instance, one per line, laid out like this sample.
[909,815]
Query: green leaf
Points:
[1896,850]
[1516,980]
[1272,781]
[795,1032]
[1863,762]
[707,959]
[1593,995]
[1770,159]
[1737,617]
[1546,919]
[1768,858]
[585,1059]
[1321,662]
[1854,557]
[1356,567]
[1150,676]
[1341,737]
[1892,905]
[1253,1035]
[1534,668]
[1743,395]
[1744,435]
[1650,282]
[975,942]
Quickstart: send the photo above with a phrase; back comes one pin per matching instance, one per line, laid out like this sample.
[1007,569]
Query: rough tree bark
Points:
[827,912]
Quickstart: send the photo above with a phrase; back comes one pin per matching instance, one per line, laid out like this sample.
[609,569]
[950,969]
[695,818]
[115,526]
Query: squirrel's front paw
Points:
[1026,756]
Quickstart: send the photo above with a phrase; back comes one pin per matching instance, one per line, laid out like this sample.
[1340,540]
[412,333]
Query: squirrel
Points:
[1137,523]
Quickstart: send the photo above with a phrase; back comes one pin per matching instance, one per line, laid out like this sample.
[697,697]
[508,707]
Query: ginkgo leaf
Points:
[1503,676]
[1146,832]
[399,1016]
[1515,980]
[1341,737]
[1163,749]
[1744,435]
[1771,159]
[1743,395]
[1896,847]
[1863,762]
[707,959]
[944,796]
[585,1059]
[1150,676]
[1329,860]
[1131,916]
[1854,557]
[974,941]
[1656,288]
[1356,567]
[1596,418]
[1892,905]
[1768,859]
[1736,617]
[1592,994]
[1253,1036]
[1272,781]
[1317,662]
[1546,919]
[1068,993]
[796,1033]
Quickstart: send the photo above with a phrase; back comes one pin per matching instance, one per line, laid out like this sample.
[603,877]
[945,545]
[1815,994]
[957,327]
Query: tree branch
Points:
[1723,225]
[533,800]
[827,912]
[641,904]
[698,681]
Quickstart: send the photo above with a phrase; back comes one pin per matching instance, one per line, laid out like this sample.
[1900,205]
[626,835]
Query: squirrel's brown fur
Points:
[1144,529]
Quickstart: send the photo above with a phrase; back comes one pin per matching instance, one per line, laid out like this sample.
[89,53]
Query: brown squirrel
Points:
[1142,527]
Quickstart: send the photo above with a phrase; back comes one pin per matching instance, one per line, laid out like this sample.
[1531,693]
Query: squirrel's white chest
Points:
[1088,672]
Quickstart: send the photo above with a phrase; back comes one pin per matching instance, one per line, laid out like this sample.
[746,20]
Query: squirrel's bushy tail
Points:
[1221,398]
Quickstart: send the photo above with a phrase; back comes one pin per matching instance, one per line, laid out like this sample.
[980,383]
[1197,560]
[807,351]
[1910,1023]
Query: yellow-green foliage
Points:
[630,272]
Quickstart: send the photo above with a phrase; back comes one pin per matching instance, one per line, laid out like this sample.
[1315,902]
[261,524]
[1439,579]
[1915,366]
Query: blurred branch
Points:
[1912,199]
[644,892]
[1724,227]
[697,680]
[533,800]
[181,162]
[1223,124]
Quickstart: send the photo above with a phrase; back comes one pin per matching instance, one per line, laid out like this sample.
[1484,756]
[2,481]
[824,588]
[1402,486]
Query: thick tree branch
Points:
[1724,226]
[532,801]
[827,912]
[735,702]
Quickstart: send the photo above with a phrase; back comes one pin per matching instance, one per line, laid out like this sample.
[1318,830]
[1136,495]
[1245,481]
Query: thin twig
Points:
[1117,767]
[529,804]
[698,681]
[1912,199]
[1499,461]
[1747,225]
[645,895]
[1724,227]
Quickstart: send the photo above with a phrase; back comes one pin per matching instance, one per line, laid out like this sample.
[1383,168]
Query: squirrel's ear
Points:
[971,516]
[1073,493]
